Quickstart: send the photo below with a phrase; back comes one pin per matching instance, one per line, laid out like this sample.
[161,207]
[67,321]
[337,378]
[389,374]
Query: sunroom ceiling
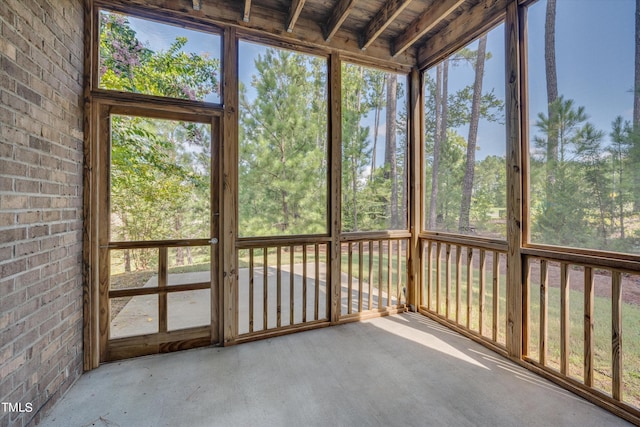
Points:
[387,30]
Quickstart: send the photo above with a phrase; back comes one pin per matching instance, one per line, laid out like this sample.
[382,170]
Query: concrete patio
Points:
[396,370]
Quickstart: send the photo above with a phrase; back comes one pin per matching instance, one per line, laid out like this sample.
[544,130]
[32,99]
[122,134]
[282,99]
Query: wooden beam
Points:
[229,208]
[423,24]
[340,13]
[462,30]
[414,161]
[247,10]
[294,14]
[381,21]
[514,177]
[335,184]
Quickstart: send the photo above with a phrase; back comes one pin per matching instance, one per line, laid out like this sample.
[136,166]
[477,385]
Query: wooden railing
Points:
[374,274]
[583,318]
[282,285]
[464,284]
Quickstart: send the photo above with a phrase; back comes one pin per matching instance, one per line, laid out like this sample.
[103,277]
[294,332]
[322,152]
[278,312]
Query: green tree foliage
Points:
[283,148]
[159,168]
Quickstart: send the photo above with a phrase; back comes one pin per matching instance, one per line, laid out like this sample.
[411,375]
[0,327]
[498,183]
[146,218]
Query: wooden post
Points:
[616,334]
[229,210]
[335,183]
[513,39]
[414,160]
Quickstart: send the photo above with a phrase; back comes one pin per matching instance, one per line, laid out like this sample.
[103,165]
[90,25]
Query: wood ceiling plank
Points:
[462,30]
[381,21]
[340,13]
[294,14]
[423,24]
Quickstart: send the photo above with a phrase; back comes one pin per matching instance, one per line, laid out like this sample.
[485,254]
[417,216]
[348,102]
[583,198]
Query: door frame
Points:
[98,346]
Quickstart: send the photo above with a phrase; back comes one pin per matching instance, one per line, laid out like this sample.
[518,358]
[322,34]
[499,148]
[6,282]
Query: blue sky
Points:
[594,53]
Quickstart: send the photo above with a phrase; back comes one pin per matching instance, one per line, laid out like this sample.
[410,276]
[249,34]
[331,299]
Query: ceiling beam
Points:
[247,10]
[340,13]
[294,13]
[423,24]
[462,31]
[381,21]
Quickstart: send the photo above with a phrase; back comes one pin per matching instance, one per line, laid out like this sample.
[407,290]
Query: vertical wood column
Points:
[414,161]
[335,181]
[229,213]
[513,39]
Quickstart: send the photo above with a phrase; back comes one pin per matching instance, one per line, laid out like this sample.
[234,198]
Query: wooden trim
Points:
[294,14]
[375,235]
[229,208]
[160,290]
[526,307]
[267,242]
[495,294]
[514,167]
[468,333]
[523,45]
[473,242]
[464,29]
[372,314]
[335,184]
[458,282]
[216,196]
[423,24]
[381,20]
[447,275]
[470,256]
[482,290]
[285,330]
[152,244]
[163,105]
[103,153]
[360,274]
[593,259]
[370,277]
[544,311]
[621,409]
[438,275]
[339,15]
[90,296]
[140,345]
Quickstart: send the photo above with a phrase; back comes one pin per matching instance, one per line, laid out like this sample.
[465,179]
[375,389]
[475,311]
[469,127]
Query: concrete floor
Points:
[397,370]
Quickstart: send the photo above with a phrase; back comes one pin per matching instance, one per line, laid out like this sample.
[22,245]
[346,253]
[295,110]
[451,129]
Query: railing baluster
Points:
[544,308]
[380,258]
[526,312]
[304,283]
[481,291]
[438,279]
[350,278]
[399,274]
[496,294]
[564,318]
[162,284]
[317,288]
[265,288]
[588,326]
[616,334]
[429,274]
[469,286]
[251,266]
[447,265]
[360,269]
[458,278]
[279,287]
[292,253]
[370,298]
[389,272]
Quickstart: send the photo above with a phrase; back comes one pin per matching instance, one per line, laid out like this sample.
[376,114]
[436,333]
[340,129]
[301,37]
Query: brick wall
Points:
[41,57]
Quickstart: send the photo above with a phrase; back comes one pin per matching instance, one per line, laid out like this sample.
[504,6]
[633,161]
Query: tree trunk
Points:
[179,252]
[390,160]
[636,118]
[467,188]
[433,199]
[376,126]
[552,93]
